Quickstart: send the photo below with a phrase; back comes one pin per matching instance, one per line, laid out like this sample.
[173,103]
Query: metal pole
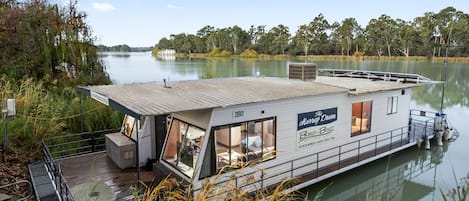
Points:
[5,126]
[138,159]
[81,115]
[446,72]
[444,82]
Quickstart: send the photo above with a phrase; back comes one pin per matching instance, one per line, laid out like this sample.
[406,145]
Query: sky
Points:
[142,23]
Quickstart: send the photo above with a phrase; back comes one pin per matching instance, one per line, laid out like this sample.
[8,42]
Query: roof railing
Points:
[379,75]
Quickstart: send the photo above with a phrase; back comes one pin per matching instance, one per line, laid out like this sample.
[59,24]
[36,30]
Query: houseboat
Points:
[255,132]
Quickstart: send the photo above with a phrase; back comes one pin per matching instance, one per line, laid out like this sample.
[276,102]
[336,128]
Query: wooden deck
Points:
[98,167]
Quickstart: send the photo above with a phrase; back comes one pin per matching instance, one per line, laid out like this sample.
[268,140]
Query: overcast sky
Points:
[140,23]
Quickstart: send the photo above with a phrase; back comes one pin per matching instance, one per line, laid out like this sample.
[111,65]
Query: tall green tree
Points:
[276,41]
[319,38]
[303,38]
[425,27]
[407,37]
[203,34]
[459,32]
[346,33]
[381,34]
[41,40]
[165,43]
[444,20]
[240,39]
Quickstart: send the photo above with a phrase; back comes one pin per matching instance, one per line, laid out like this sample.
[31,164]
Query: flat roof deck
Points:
[155,99]
[97,167]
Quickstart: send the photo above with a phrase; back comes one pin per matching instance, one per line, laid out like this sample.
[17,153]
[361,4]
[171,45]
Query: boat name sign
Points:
[315,127]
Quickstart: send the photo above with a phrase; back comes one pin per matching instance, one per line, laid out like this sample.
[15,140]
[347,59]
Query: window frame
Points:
[393,108]
[171,124]
[261,159]
[369,122]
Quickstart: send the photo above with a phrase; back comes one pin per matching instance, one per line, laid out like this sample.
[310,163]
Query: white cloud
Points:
[172,6]
[103,7]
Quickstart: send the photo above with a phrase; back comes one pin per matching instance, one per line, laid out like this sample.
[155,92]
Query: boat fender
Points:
[427,143]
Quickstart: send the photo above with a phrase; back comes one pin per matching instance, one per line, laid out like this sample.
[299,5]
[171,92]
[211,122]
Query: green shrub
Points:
[155,51]
[249,53]
[358,54]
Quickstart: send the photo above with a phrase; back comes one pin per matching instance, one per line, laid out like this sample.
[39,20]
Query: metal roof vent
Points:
[302,71]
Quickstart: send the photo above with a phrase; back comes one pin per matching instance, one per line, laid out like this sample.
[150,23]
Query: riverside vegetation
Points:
[46,51]
[427,36]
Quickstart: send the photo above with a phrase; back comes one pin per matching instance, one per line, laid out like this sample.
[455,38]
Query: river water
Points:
[414,174]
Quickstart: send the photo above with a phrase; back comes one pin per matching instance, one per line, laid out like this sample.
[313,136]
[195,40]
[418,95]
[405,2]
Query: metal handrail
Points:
[403,133]
[291,162]
[30,188]
[64,190]
[55,170]
[386,76]
[84,142]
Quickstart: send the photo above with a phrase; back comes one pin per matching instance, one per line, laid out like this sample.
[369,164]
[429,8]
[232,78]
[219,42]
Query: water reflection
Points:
[391,178]
[115,54]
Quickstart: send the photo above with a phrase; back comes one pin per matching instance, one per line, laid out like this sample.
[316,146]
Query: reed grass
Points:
[171,189]
[43,112]
[458,193]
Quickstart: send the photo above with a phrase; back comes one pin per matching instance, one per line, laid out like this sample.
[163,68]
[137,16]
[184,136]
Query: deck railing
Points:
[67,146]
[77,144]
[317,164]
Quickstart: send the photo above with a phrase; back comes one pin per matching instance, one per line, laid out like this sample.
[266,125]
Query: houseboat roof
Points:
[141,99]
[357,86]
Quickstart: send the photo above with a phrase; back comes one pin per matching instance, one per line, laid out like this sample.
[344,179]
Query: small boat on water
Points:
[255,132]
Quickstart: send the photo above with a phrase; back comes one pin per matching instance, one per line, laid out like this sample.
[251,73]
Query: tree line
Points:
[427,35]
[123,48]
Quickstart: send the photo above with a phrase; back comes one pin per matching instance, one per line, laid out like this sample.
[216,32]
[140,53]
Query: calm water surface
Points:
[410,175]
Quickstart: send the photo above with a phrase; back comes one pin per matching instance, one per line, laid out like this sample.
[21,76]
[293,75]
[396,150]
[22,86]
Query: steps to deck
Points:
[44,188]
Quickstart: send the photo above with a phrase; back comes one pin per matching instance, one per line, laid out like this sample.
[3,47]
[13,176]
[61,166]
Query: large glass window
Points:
[361,117]
[236,144]
[392,105]
[183,146]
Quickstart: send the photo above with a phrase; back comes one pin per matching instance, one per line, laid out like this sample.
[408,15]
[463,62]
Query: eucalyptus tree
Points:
[374,39]
[407,37]
[459,35]
[240,39]
[203,34]
[303,38]
[425,27]
[444,20]
[164,43]
[256,34]
[180,42]
[381,34]
[346,33]
[319,38]
[276,41]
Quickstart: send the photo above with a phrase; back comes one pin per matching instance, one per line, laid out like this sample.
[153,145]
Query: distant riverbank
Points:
[337,58]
